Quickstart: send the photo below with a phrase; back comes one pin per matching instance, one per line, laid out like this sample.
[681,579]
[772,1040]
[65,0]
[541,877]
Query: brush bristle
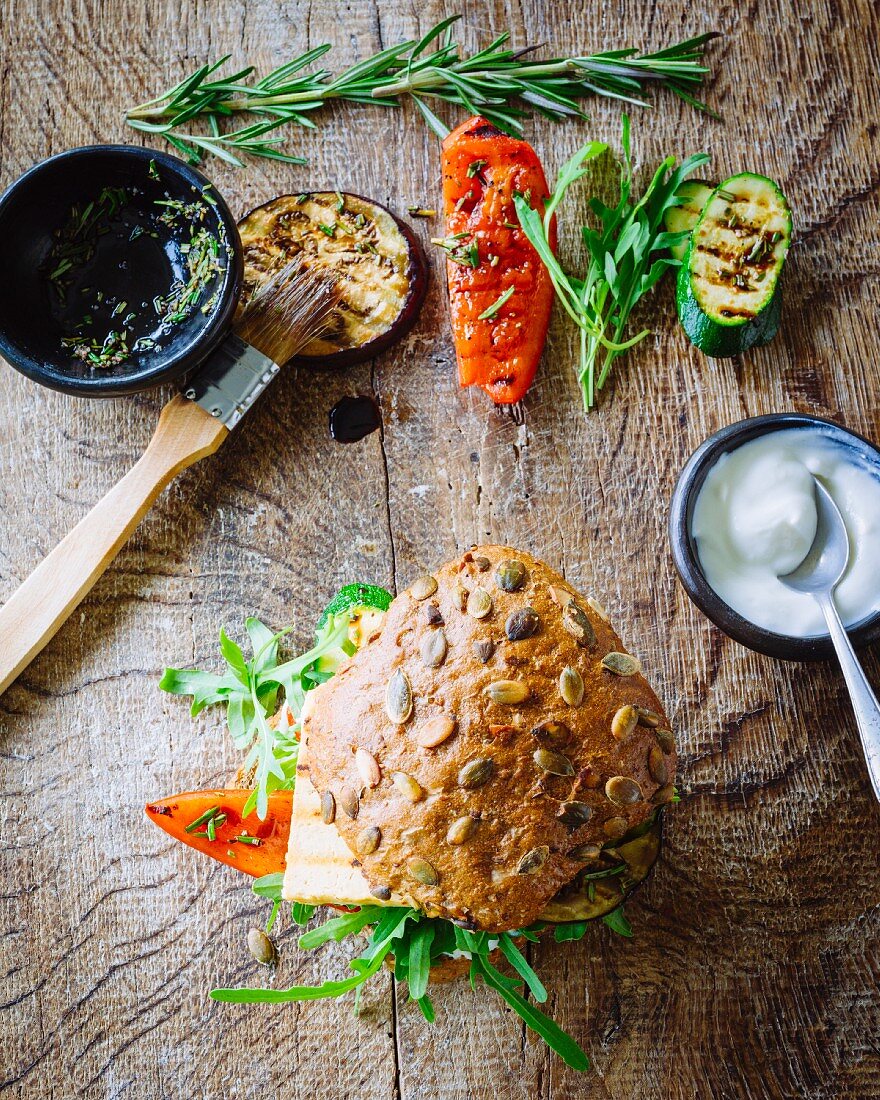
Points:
[288,311]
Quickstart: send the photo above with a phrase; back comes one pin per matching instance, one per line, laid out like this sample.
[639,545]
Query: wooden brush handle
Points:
[34,612]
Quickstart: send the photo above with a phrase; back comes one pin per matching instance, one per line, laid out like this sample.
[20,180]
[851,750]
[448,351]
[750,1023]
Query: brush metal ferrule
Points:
[231,380]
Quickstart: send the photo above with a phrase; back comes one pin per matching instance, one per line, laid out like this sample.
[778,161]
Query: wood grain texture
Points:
[38,608]
[754,967]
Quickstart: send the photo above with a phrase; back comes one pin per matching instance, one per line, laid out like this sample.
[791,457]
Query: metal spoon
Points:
[818,575]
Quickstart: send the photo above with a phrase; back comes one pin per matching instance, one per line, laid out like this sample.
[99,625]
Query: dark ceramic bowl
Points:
[39,204]
[817,647]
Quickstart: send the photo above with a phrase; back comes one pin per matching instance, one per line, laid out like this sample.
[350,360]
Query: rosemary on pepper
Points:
[466,254]
[491,310]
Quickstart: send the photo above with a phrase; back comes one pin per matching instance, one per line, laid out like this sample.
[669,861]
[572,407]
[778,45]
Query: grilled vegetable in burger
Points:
[489,765]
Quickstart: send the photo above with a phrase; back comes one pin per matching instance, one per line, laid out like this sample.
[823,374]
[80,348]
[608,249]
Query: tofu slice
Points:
[320,867]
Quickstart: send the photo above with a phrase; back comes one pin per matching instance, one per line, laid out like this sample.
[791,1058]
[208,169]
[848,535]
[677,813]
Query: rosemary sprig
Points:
[459,249]
[497,304]
[498,82]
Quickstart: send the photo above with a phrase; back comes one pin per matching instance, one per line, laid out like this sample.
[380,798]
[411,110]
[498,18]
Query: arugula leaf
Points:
[263,642]
[365,967]
[302,913]
[552,1034]
[573,930]
[205,688]
[617,922]
[626,255]
[520,964]
[299,992]
[269,886]
[276,906]
[419,959]
[417,942]
[234,657]
[249,688]
[338,928]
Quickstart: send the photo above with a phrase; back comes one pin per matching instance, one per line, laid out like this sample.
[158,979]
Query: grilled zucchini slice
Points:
[694,195]
[380,268]
[728,293]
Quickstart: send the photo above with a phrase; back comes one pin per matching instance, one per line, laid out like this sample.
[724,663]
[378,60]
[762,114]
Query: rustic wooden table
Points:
[753,969]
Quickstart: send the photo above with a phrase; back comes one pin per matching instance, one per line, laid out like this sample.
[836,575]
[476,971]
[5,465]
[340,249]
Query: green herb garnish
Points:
[467,255]
[626,256]
[75,241]
[203,819]
[490,311]
[475,171]
[498,82]
[416,941]
[75,246]
[250,690]
[617,922]
[204,266]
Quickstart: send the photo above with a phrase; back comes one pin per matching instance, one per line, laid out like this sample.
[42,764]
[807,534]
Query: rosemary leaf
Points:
[498,82]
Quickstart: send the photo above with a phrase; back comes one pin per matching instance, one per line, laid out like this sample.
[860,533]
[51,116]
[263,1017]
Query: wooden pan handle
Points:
[34,612]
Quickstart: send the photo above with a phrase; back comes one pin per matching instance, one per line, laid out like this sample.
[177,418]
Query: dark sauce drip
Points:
[353,418]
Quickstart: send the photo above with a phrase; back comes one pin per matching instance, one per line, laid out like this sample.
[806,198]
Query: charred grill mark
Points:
[487,130]
[720,253]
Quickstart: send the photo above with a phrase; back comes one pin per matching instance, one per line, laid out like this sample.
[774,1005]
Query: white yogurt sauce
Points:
[755,518]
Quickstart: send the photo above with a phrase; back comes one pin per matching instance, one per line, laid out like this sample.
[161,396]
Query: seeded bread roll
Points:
[476,752]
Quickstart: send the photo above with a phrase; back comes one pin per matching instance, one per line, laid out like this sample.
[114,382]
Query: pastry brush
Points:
[290,309]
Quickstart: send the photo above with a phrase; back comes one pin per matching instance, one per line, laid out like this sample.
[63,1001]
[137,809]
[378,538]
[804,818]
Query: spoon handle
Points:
[864,701]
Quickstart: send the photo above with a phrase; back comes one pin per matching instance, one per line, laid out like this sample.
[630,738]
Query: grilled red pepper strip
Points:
[500,294]
[253,846]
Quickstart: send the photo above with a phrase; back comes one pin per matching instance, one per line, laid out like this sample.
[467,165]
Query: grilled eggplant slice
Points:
[379,264]
[600,889]
[728,293]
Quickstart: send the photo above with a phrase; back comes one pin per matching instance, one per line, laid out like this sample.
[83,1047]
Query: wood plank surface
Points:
[753,971]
